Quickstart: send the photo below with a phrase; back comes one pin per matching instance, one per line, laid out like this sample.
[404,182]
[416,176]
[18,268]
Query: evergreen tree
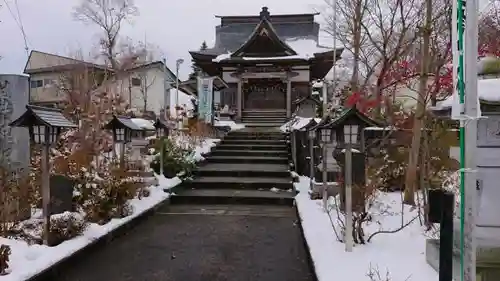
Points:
[196,69]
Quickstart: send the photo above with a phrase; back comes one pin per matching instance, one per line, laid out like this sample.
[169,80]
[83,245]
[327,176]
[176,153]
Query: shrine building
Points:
[268,62]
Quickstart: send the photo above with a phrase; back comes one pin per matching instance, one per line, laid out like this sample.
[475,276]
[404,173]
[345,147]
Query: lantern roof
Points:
[348,116]
[310,97]
[311,124]
[45,116]
[122,123]
[161,124]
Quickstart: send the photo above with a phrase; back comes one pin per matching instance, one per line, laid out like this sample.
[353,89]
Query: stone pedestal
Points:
[488,253]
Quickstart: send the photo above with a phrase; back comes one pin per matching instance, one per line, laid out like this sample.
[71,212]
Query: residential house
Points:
[144,87]
[147,87]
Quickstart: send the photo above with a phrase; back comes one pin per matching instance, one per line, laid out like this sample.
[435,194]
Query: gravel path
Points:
[200,247]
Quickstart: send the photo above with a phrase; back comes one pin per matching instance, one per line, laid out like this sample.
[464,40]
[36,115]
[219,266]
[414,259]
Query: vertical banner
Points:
[205,97]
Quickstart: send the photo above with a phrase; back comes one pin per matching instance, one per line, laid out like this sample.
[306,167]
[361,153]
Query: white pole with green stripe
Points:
[465,58]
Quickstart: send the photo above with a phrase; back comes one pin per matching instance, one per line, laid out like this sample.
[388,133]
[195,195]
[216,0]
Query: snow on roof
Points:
[487,90]
[305,48]
[318,84]
[144,124]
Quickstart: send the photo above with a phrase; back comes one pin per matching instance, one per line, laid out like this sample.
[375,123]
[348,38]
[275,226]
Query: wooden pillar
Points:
[288,98]
[238,99]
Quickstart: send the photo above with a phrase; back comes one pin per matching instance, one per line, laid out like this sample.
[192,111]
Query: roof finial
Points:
[264,14]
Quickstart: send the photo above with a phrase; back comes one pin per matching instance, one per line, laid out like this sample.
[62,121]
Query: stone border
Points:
[310,261]
[48,273]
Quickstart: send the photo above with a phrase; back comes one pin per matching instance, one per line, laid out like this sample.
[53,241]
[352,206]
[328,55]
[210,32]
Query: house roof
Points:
[46,116]
[158,63]
[45,62]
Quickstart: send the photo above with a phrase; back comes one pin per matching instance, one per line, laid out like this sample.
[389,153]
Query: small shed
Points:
[307,106]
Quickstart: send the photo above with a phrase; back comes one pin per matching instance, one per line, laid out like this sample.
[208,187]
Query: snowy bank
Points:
[401,254]
[229,123]
[28,260]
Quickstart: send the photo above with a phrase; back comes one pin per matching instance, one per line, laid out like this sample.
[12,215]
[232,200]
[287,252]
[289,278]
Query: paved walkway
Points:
[203,243]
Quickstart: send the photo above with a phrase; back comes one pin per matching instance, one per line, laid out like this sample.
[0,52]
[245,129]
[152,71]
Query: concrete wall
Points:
[13,101]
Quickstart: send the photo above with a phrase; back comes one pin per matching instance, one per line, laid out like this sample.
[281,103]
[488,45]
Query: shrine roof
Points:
[265,45]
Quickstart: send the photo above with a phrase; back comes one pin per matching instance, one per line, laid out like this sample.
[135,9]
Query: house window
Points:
[47,82]
[36,83]
[136,82]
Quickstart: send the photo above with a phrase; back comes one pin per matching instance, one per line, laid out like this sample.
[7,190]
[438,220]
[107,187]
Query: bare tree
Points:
[379,36]
[348,30]
[489,30]
[109,16]
[435,54]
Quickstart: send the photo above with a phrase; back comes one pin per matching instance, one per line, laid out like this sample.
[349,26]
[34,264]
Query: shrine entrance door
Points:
[267,93]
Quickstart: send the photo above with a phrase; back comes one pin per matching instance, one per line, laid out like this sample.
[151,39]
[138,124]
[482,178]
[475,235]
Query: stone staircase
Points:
[260,118]
[250,166]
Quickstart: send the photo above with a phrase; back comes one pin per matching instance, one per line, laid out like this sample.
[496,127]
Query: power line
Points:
[22,28]
[19,23]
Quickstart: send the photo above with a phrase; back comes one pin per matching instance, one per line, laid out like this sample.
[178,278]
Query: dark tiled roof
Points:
[38,115]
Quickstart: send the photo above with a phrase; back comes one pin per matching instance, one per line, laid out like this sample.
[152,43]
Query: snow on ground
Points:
[401,254]
[229,123]
[28,260]
[204,148]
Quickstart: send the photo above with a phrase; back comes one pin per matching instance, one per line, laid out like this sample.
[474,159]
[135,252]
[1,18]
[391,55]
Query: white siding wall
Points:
[153,85]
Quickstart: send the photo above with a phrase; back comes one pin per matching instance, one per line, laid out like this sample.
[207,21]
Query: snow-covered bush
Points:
[176,159]
[102,197]
[387,172]
[5,253]
[66,226]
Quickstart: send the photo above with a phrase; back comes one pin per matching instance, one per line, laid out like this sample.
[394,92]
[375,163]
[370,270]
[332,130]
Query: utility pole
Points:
[177,66]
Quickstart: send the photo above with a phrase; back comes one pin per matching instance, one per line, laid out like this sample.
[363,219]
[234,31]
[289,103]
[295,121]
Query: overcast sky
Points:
[176,26]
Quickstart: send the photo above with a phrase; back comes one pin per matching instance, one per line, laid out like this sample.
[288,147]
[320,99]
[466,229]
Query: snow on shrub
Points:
[66,226]
[105,196]
[176,159]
